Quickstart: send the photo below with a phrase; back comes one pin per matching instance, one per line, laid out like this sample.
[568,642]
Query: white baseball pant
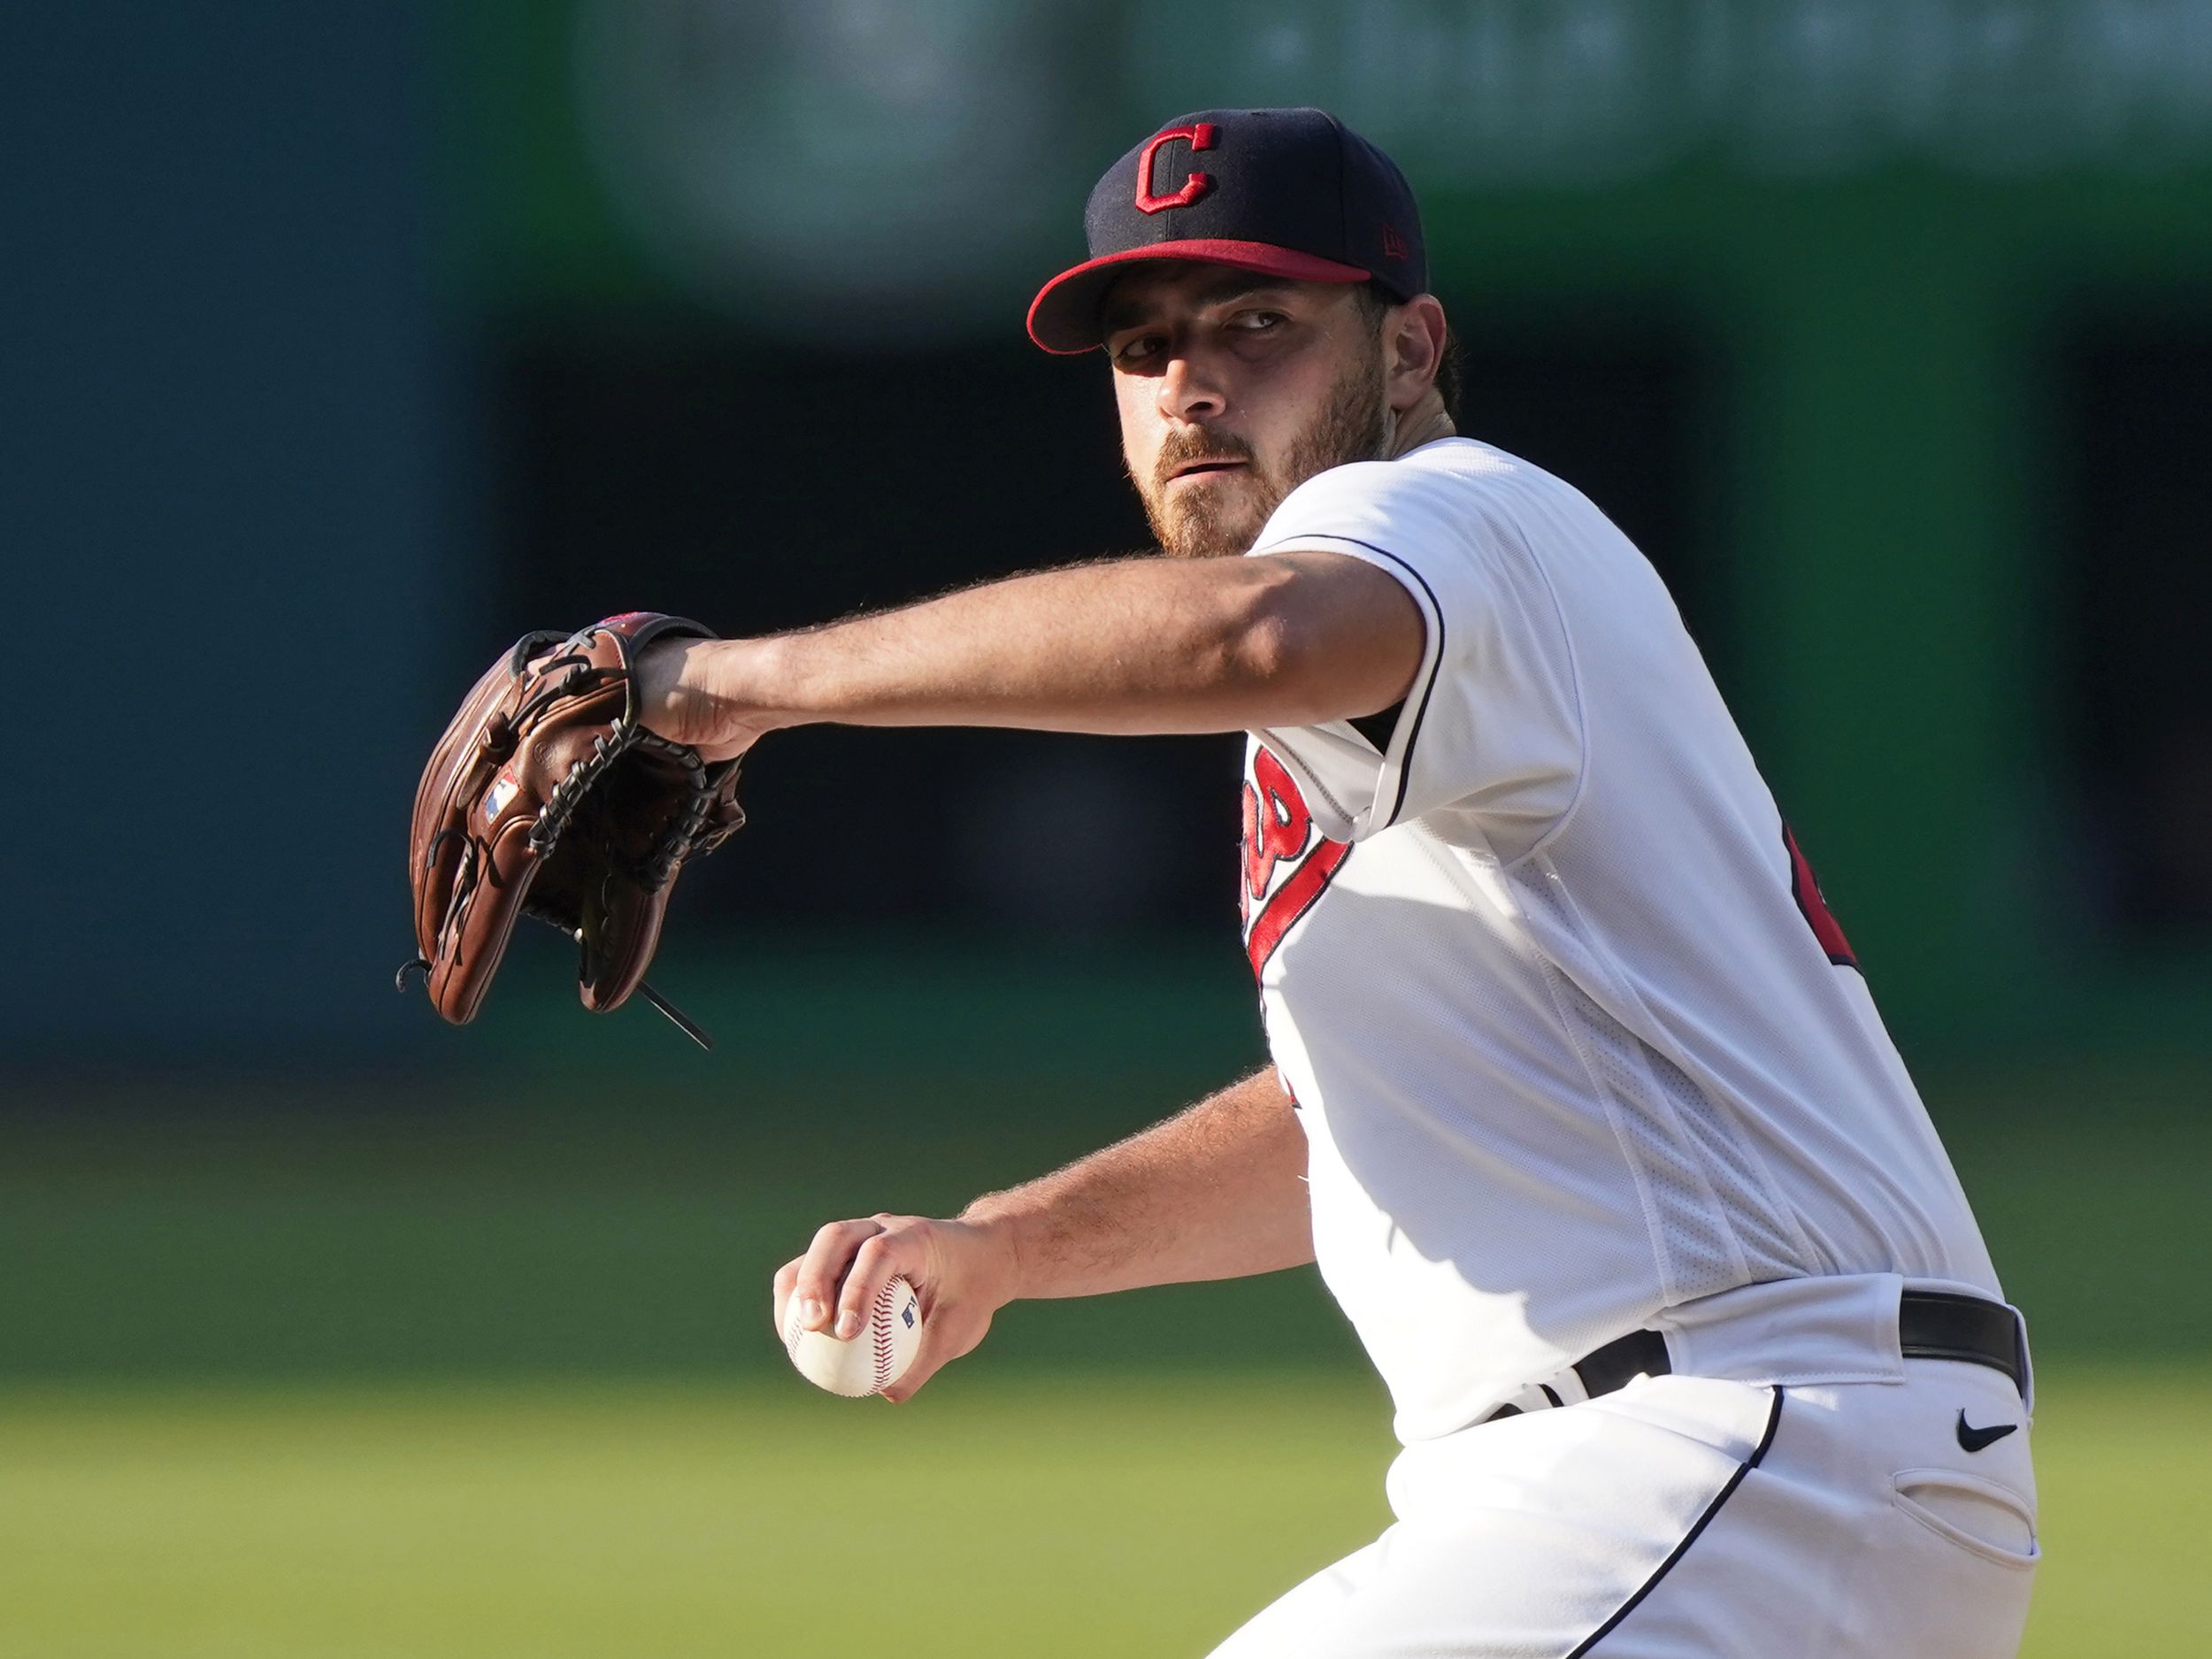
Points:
[1698,1517]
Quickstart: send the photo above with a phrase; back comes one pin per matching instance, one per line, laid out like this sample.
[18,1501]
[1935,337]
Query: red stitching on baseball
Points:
[882,1335]
[880,1324]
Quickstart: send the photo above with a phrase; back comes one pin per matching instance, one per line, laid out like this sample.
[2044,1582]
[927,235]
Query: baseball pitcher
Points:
[1579,1099]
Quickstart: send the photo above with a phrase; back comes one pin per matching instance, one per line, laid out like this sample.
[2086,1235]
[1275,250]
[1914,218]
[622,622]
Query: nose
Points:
[1187,393]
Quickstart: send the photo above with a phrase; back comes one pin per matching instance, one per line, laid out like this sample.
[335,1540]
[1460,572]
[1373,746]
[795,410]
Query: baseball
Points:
[874,1359]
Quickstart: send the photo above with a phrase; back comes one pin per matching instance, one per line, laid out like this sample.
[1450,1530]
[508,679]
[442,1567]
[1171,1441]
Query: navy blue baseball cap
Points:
[1287,193]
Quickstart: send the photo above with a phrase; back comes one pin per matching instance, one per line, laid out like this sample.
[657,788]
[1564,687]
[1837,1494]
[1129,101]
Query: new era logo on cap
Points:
[1288,193]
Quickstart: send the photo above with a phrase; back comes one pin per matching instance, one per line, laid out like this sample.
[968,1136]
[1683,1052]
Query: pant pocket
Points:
[1982,1517]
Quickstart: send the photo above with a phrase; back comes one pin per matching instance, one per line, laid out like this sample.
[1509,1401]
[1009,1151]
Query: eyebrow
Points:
[1232,286]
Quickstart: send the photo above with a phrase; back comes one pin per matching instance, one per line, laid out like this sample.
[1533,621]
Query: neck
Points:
[1425,423]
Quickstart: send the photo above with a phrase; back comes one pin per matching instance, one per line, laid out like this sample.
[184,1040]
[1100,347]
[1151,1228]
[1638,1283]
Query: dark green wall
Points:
[1876,220]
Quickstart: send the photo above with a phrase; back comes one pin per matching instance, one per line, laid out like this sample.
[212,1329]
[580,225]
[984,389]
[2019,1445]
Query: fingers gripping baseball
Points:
[961,1274]
[815,1278]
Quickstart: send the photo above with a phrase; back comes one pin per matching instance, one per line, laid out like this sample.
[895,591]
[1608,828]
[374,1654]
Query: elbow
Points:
[1260,652]
[1257,638]
[1269,653]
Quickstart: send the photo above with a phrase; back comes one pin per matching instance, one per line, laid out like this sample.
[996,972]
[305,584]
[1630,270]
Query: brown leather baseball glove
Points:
[548,797]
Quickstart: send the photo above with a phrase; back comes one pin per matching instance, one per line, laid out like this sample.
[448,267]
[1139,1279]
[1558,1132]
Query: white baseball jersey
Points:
[1571,1034]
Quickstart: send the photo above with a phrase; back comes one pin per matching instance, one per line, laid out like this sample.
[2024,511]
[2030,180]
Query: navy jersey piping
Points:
[1421,709]
[1774,1421]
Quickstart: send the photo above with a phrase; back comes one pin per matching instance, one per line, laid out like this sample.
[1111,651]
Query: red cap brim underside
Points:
[1064,317]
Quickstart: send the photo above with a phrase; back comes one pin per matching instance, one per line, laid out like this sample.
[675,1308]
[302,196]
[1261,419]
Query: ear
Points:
[1413,343]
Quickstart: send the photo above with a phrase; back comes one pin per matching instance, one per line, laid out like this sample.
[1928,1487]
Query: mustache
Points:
[1185,448]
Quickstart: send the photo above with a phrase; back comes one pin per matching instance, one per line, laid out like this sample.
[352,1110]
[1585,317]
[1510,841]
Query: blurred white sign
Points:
[845,165]
[1563,93]
[871,168]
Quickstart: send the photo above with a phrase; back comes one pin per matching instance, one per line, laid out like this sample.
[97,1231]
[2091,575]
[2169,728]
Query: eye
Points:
[1137,348]
[1257,322]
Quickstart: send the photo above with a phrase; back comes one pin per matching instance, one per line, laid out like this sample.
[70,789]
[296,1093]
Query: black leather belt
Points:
[1943,1325]
[1930,1325]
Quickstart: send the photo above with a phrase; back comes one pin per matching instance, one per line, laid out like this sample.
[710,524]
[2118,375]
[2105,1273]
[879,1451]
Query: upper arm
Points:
[1490,722]
[1350,641]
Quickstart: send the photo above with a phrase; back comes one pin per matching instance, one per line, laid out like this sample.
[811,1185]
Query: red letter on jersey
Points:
[1806,891]
[1278,826]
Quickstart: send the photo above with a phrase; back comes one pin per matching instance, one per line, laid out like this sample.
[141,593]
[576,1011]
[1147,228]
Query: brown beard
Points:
[1351,426]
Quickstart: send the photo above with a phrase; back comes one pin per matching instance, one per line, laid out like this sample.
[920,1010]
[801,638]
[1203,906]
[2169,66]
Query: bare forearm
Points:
[1146,645]
[1216,1191]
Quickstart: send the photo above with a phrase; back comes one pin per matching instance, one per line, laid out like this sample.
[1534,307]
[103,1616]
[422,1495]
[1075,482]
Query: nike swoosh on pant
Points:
[1974,1440]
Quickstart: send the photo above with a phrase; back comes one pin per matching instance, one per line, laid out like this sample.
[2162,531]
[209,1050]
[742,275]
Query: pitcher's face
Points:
[1235,388]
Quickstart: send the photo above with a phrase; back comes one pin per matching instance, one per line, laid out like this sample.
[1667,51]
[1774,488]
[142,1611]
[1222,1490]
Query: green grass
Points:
[995,1515]
[335,1245]
[464,1368]
[329,1235]
[2124,1468]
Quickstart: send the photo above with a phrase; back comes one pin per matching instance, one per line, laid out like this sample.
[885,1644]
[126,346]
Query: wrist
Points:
[757,676]
[709,694]
[997,1230]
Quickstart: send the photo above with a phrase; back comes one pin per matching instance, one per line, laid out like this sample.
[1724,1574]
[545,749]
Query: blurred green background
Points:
[372,336]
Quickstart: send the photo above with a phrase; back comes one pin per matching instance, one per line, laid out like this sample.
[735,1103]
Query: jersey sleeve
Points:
[1492,729]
